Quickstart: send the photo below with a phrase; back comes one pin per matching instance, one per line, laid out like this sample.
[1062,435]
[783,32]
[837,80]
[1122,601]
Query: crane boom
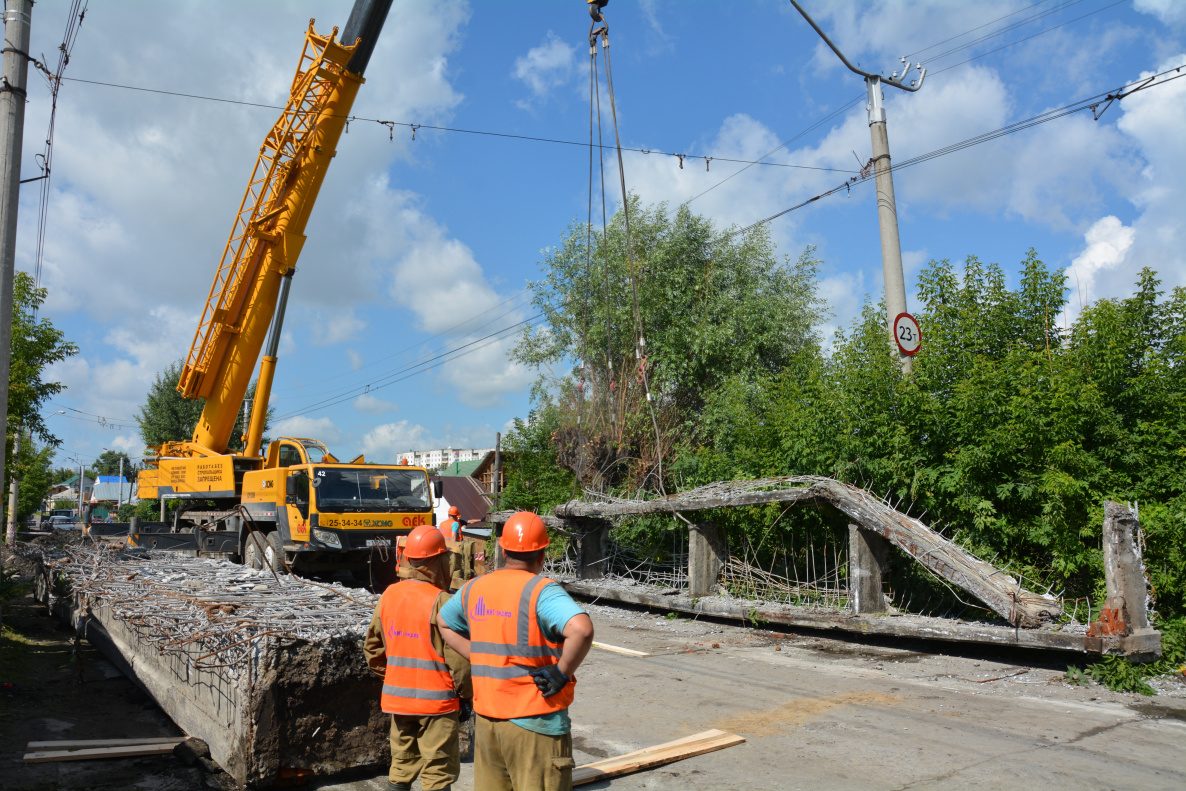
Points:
[268,232]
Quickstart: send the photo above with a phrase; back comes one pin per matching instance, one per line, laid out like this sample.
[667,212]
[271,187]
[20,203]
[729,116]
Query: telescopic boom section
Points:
[268,233]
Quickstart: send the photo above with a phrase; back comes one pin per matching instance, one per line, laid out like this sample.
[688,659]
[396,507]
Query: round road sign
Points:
[907,334]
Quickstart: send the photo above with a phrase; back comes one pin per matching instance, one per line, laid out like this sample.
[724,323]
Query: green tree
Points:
[36,344]
[534,479]
[167,417]
[36,477]
[108,463]
[711,306]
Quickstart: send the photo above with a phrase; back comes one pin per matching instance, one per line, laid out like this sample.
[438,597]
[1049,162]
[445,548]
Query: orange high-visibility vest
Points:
[451,529]
[506,644]
[417,681]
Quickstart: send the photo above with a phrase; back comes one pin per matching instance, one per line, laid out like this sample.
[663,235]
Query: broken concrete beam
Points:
[904,626]
[1125,612]
[593,540]
[268,671]
[868,557]
[999,590]
[707,555]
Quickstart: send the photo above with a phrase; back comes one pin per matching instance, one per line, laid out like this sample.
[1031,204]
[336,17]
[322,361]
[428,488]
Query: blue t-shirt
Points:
[553,609]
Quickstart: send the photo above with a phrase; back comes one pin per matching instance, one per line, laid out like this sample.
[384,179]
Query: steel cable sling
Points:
[602,32]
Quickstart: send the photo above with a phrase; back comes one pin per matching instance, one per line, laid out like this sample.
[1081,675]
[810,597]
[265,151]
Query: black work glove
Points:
[550,680]
[467,709]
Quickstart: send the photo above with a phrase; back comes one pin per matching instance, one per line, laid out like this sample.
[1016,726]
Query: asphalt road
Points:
[821,713]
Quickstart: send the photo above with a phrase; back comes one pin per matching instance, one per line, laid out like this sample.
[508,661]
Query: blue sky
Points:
[417,247]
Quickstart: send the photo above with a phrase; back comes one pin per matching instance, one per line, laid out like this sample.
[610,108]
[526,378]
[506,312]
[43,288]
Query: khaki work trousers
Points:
[510,758]
[425,746]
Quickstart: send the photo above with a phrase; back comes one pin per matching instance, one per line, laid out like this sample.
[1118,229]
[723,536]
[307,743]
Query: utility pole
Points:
[887,210]
[120,500]
[14,74]
[81,486]
[13,488]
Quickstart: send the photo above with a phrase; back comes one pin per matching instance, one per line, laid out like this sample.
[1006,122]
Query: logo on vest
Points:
[481,613]
[392,632]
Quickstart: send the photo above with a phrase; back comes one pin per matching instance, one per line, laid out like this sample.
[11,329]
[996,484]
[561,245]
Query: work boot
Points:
[398,786]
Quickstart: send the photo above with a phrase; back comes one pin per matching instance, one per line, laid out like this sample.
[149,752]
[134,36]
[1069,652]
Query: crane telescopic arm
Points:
[268,234]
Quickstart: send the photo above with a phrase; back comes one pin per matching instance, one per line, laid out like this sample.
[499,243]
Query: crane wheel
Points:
[274,552]
[253,553]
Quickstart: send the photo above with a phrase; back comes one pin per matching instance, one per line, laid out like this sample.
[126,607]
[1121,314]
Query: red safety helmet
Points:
[424,542]
[524,532]
[453,511]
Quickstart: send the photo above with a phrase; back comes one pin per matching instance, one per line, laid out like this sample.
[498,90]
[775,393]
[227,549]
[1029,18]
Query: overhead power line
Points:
[861,97]
[1092,103]
[487,133]
[414,369]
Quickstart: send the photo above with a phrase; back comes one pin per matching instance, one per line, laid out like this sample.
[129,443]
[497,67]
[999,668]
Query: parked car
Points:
[61,522]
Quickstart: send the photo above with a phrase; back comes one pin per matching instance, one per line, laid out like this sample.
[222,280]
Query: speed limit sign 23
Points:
[907,334]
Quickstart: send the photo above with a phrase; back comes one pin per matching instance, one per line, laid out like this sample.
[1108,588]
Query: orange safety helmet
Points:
[453,511]
[524,532]
[424,542]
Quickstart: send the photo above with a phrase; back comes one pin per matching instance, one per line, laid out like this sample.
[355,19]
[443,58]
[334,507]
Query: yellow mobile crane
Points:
[295,503]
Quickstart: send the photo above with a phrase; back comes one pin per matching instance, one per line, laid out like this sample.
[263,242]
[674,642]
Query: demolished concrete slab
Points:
[267,670]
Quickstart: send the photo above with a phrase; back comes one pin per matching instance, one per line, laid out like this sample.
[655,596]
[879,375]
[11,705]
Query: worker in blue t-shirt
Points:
[525,637]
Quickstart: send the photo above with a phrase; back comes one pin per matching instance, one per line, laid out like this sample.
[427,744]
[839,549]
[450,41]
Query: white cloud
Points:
[1108,242]
[373,406]
[548,66]
[355,359]
[321,428]
[1170,12]
[384,443]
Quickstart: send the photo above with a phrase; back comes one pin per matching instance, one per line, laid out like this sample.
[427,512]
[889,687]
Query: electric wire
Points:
[411,370]
[1008,129]
[459,328]
[437,128]
[74,20]
[857,99]
[973,30]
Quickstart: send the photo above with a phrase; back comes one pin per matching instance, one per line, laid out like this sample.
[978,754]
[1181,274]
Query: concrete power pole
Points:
[887,209]
[13,77]
[13,488]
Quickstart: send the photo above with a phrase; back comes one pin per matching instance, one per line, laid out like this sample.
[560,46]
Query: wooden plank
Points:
[619,650]
[127,751]
[659,755]
[94,743]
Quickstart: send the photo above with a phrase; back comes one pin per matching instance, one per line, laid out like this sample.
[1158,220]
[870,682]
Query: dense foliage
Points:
[1014,425]
[167,417]
[710,307]
[109,463]
[1010,427]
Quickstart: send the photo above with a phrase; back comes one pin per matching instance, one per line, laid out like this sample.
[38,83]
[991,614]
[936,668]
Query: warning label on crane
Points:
[907,334]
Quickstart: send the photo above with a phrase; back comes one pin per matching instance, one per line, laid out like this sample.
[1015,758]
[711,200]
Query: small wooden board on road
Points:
[659,755]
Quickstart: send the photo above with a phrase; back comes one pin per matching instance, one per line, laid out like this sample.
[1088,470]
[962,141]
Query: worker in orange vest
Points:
[525,638]
[451,527]
[426,684]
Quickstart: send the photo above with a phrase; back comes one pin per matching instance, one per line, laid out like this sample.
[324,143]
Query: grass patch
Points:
[16,653]
[1120,675]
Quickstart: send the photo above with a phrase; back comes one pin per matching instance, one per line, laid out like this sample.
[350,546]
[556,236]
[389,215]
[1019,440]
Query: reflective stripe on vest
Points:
[507,644]
[417,681]
[451,529]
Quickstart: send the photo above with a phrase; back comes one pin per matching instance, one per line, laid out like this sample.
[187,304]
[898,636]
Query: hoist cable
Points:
[609,319]
[639,329]
[588,282]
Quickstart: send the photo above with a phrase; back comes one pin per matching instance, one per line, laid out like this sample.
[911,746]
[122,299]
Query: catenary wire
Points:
[973,30]
[455,329]
[423,366]
[1017,126]
[857,99]
[436,128]
[74,20]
